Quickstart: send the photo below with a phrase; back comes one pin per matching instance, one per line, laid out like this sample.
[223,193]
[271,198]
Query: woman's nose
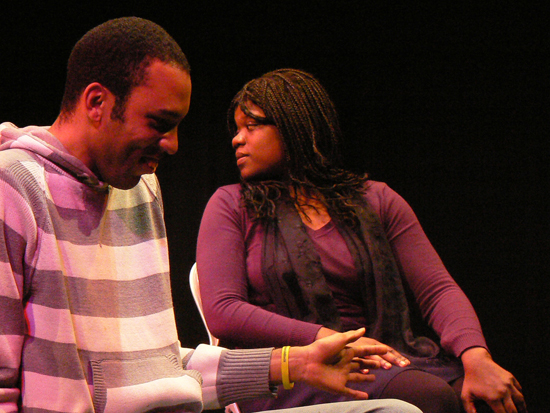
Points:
[237,140]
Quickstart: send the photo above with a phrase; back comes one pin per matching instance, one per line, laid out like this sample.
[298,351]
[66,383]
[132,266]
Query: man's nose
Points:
[169,142]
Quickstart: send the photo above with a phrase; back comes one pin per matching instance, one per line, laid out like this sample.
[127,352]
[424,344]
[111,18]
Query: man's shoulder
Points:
[12,150]
[19,161]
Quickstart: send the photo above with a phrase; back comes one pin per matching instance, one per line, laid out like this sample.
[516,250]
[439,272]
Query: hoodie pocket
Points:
[142,385]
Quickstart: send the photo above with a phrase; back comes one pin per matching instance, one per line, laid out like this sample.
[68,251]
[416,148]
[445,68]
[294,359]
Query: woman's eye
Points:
[251,126]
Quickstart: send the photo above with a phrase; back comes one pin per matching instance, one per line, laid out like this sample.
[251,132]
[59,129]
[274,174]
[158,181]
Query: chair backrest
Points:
[195,290]
[214,341]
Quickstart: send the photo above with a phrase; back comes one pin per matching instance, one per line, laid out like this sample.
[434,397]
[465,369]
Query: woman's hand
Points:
[392,357]
[486,380]
[330,363]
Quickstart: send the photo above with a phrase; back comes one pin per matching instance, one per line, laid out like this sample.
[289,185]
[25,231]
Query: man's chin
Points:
[124,183]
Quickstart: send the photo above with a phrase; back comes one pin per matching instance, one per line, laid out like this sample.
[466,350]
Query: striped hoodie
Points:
[86,316]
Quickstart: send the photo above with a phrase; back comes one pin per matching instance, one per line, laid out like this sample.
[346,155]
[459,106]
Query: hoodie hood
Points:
[38,140]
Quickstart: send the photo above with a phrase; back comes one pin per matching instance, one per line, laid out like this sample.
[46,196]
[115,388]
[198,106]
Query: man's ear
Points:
[95,100]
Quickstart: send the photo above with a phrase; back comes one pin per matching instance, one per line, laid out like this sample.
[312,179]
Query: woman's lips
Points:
[241,158]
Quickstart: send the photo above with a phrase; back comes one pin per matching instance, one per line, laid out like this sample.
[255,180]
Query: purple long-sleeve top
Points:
[238,307]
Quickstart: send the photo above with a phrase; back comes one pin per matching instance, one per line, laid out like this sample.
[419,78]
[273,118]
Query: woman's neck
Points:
[312,211]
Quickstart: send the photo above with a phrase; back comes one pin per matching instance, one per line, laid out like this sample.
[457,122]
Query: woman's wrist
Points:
[324,332]
[472,356]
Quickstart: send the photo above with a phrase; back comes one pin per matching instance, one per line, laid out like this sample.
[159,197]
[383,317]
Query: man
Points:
[86,317]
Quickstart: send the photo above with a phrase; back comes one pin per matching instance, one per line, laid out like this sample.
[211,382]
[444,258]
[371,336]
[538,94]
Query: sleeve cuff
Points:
[244,374]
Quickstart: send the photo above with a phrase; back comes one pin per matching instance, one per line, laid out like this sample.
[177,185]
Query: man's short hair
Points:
[117,54]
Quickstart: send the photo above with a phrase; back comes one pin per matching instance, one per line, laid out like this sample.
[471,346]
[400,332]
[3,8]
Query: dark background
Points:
[448,104]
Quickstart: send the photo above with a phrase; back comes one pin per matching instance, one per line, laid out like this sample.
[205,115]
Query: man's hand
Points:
[329,363]
[486,380]
[391,358]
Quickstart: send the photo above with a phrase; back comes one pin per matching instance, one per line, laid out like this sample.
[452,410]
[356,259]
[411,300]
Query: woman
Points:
[302,248]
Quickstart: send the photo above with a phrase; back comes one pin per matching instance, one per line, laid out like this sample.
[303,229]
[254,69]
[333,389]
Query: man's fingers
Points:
[360,377]
[356,394]
[353,335]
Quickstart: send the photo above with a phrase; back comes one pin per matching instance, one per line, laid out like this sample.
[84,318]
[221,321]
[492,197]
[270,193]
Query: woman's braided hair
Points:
[299,106]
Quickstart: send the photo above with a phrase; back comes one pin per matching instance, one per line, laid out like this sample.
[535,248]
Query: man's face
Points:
[125,150]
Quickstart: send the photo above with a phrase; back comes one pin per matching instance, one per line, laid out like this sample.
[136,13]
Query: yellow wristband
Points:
[287,384]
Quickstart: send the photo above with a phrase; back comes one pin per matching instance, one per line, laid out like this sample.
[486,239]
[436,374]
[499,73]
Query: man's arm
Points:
[234,375]
[329,363]
[13,226]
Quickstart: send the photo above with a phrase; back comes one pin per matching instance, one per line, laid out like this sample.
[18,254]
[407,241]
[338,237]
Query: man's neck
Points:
[71,134]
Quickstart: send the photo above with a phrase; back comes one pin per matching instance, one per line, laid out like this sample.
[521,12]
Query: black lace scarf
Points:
[292,270]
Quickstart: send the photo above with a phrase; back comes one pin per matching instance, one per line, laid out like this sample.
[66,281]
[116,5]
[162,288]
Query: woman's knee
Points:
[424,390]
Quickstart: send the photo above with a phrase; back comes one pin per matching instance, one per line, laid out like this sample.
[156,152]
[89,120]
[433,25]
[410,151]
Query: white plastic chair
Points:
[214,341]
[195,290]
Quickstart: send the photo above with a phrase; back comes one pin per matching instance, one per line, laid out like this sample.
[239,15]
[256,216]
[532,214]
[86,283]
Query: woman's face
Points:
[258,148]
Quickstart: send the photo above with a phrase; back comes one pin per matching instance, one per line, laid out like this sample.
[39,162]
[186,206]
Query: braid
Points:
[299,106]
